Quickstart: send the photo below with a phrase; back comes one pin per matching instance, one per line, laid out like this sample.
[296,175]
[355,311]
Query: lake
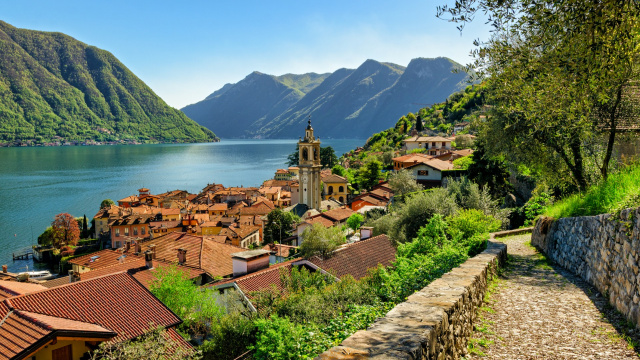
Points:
[36,183]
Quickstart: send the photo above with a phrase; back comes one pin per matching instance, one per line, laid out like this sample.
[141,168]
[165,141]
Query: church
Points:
[309,173]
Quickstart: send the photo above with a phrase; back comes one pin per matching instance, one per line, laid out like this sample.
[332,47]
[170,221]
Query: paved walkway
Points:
[539,311]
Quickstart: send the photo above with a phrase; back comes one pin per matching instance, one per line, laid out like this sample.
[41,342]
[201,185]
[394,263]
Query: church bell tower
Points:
[309,164]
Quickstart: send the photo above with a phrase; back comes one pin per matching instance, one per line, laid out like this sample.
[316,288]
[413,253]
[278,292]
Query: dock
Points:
[23,256]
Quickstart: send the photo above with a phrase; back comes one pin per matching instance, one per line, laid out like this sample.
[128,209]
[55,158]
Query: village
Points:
[216,238]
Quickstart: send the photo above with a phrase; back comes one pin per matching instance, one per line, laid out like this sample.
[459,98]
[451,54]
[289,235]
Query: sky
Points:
[185,50]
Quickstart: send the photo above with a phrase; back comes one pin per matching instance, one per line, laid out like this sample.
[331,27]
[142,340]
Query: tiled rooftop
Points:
[105,258]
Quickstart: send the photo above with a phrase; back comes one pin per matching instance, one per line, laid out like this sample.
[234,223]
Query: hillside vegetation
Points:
[53,87]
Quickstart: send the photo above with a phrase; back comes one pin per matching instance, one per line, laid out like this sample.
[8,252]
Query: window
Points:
[433,144]
[135,231]
[330,189]
[126,231]
[423,172]
[117,232]
[341,189]
[142,230]
[117,244]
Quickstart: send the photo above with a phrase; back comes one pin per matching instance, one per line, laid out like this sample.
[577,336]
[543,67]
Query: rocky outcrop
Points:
[435,322]
[604,250]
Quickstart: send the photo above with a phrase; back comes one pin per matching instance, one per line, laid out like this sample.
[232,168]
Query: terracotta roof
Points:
[131,198]
[282,171]
[205,254]
[436,164]
[105,258]
[261,279]
[372,200]
[133,220]
[382,193]
[339,214]
[137,269]
[356,258]
[321,220]
[218,238]
[412,158]
[426,139]
[165,224]
[333,178]
[14,288]
[270,190]
[258,209]
[219,207]
[170,211]
[92,307]
[211,224]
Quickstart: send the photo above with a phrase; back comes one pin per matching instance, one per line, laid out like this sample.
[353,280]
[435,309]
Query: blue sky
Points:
[185,50]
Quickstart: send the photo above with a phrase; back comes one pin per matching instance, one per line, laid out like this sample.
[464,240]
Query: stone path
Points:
[540,311]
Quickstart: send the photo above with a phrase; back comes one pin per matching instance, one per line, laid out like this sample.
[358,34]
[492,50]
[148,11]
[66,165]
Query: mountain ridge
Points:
[346,103]
[54,87]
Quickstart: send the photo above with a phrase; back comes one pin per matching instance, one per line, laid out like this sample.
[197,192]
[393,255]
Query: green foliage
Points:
[154,344]
[230,336]
[369,174]
[279,338]
[55,88]
[620,190]
[403,182]
[318,240]
[470,222]
[106,203]
[354,221]
[279,225]
[463,163]
[328,157]
[46,238]
[196,307]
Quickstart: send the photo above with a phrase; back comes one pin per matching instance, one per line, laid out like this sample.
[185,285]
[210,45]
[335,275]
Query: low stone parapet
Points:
[434,323]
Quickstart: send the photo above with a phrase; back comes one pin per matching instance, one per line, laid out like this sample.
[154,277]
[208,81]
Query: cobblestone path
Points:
[540,311]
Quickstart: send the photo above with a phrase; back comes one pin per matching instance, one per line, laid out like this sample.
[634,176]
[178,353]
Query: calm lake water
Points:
[38,183]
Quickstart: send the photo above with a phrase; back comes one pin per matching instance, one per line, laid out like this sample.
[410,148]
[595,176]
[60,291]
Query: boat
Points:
[36,275]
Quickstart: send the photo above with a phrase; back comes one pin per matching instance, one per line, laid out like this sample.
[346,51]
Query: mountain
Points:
[248,104]
[345,104]
[53,87]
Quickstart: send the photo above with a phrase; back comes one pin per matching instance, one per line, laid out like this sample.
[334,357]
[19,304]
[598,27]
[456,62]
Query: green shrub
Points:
[230,336]
[279,338]
[469,223]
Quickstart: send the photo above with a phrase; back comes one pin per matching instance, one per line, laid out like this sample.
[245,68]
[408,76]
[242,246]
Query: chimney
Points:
[127,245]
[182,256]
[148,259]
[73,276]
[4,269]
[365,232]
[247,262]
[152,248]
[138,247]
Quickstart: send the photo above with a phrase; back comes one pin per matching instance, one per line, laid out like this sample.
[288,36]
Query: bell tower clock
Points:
[309,164]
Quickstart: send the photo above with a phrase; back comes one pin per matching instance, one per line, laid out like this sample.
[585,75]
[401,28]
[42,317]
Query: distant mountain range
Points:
[53,87]
[345,104]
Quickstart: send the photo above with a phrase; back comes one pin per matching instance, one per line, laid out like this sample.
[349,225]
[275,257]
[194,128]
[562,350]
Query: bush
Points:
[469,223]
[279,338]
[230,336]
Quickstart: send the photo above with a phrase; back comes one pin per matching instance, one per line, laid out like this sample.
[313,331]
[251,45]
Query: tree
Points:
[419,126]
[462,163]
[369,174]
[154,344]
[46,238]
[354,221]
[556,71]
[279,225]
[64,230]
[294,158]
[85,227]
[464,141]
[403,182]
[106,203]
[321,241]
[339,170]
[328,157]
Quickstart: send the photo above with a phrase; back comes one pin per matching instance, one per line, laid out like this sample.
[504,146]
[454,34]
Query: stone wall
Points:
[604,250]
[434,323]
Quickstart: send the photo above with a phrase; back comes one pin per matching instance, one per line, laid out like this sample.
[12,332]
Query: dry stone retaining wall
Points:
[604,250]
[434,323]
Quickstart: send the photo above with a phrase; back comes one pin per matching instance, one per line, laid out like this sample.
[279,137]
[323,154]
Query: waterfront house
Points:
[129,201]
[66,322]
[130,227]
[282,174]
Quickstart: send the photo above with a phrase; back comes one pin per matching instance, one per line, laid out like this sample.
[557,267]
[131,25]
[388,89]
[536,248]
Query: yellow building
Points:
[335,187]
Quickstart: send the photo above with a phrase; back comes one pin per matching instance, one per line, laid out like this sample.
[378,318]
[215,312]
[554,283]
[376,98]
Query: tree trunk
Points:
[612,134]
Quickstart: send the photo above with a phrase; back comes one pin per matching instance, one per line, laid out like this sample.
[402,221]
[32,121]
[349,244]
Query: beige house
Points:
[435,145]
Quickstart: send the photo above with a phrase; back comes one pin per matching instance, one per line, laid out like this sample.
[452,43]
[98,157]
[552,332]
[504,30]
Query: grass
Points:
[621,190]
